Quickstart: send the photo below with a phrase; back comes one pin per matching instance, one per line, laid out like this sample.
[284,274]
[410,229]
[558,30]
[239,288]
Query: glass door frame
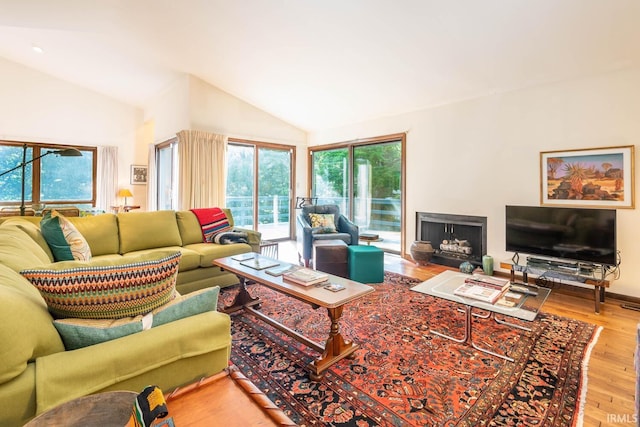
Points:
[270,145]
[350,145]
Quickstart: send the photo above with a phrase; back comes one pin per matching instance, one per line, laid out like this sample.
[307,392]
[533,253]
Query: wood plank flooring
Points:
[611,373]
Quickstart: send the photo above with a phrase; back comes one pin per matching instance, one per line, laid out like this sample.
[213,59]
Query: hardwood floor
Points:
[611,373]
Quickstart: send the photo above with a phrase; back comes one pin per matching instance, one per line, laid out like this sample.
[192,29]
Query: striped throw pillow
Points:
[90,290]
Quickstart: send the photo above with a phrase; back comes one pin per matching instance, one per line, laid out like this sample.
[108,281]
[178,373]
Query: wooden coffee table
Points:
[336,347]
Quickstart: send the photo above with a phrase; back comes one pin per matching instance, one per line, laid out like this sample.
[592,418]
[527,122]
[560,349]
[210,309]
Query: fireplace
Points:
[455,238]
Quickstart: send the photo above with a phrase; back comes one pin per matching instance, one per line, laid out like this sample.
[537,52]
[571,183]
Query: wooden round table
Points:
[103,409]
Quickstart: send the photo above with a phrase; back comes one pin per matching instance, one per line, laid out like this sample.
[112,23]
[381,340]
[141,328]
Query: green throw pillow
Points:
[77,243]
[187,305]
[91,290]
[52,232]
[78,333]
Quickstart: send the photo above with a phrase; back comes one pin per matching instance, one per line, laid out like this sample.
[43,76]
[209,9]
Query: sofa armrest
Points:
[253,238]
[67,375]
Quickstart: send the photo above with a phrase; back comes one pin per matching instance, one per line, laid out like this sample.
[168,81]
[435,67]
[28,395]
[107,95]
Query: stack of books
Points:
[483,288]
[304,276]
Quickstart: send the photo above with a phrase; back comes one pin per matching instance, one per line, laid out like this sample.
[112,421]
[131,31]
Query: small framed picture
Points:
[138,174]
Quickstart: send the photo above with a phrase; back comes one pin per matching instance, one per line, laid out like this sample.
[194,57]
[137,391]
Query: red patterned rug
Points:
[403,375]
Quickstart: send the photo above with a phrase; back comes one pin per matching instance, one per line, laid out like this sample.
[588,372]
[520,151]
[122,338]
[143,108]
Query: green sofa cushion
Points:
[19,251]
[148,230]
[188,261]
[101,232]
[105,289]
[207,252]
[189,227]
[27,331]
[33,230]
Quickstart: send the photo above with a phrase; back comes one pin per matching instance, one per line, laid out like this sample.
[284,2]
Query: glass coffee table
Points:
[525,306]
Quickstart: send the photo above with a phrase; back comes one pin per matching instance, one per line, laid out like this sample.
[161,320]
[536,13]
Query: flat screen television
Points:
[578,234]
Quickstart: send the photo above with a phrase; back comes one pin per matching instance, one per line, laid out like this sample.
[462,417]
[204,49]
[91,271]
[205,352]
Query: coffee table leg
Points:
[242,299]
[467,338]
[336,347]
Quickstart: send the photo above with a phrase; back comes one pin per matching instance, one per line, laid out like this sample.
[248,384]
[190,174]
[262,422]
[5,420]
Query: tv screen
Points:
[577,234]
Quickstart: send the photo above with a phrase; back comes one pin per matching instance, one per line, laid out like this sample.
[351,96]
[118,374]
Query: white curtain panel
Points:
[152,182]
[107,178]
[201,166]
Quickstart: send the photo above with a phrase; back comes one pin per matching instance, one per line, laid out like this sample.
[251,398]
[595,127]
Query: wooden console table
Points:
[599,283]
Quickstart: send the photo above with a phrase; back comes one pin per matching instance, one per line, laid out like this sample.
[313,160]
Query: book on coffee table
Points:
[281,269]
[243,257]
[305,276]
[479,292]
[259,263]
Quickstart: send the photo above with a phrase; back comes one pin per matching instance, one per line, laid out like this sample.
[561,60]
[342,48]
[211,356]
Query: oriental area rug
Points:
[403,375]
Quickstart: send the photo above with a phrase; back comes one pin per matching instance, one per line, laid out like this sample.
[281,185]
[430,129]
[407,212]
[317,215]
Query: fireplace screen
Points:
[455,238]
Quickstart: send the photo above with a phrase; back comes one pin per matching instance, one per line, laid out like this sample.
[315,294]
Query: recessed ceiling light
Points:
[37,49]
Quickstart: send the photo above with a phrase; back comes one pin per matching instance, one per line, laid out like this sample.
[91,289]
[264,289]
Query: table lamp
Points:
[125,192]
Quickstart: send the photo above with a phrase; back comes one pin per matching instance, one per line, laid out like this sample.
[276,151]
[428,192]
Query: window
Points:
[50,179]
[166,161]
[366,180]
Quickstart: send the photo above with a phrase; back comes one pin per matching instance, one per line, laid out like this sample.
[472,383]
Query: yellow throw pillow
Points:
[322,223]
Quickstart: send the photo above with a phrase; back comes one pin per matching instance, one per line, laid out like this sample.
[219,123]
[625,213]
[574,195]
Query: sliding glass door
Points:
[259,187]
[330,178]
[366,180]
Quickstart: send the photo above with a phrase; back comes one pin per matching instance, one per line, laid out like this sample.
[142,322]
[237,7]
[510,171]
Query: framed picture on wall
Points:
[593,177]
[138,174]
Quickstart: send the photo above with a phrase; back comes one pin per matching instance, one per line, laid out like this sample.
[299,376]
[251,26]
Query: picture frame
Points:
[139,174]
[590,177]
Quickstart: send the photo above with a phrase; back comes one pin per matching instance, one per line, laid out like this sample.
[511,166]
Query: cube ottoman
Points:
[366,264]
[330,256]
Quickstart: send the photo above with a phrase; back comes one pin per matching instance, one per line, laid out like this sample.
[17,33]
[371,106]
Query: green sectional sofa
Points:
[37,372]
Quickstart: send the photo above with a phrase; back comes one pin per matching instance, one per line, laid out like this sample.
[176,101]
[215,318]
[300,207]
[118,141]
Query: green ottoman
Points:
[366,264]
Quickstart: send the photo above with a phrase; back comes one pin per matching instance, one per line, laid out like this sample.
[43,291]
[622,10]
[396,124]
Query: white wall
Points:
[475,157]
[40,108]
[194,104]
[169,111]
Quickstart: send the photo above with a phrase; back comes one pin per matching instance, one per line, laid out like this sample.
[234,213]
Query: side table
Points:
[109,408]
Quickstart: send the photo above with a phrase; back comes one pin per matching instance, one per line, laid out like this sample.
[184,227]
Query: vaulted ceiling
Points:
[321,64]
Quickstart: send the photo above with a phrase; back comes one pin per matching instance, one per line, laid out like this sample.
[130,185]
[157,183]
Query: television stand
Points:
[561,271]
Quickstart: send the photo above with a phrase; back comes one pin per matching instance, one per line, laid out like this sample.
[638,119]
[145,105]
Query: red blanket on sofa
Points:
[212,221]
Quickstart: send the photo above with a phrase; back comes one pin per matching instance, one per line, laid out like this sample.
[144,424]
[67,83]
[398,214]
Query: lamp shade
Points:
[68,152]
[124,192]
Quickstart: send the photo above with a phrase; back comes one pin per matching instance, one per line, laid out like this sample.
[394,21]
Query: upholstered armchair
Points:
[309,229]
